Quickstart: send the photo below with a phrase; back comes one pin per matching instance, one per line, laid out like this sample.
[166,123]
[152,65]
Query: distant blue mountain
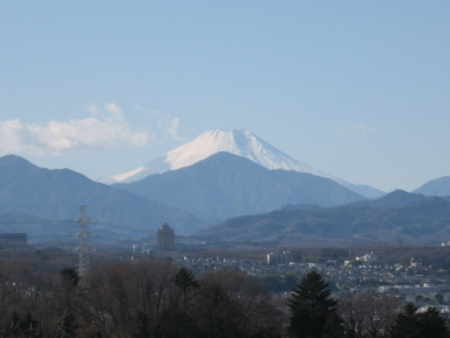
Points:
[58,194]
[398,216]
[363,189]
[239,142]
[437,187]
[225,185]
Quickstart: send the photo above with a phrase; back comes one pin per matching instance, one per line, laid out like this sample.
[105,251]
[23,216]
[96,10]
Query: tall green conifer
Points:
[313,311]
[413,324]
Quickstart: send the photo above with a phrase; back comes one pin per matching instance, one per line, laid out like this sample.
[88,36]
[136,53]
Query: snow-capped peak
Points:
[128,175]
[240,142]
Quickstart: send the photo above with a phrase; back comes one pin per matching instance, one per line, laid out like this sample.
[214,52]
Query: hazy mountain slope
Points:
[437,187]
[241,143]
[397,216]
[225,185]
[40,230]
[362,189]
[396,199]
[58,194]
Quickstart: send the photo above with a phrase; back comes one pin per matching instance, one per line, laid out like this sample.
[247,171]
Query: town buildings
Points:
[166,238]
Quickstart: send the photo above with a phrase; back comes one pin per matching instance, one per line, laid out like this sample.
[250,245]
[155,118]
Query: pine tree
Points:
[24,326]
[70,277]
[185,281]
[411,324]
[432,324]
[68,326]
[406,324]
[143,329]
[313,311]
[30,327]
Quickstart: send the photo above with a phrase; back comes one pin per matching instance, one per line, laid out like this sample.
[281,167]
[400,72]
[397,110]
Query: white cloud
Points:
[93,109]
[113,108]
[100,130]
[115,111]
[174,129]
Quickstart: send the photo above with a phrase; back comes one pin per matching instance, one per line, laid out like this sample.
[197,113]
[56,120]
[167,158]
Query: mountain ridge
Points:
[398,216]
[436,187]
[225,185]
[241,143]
[57,195]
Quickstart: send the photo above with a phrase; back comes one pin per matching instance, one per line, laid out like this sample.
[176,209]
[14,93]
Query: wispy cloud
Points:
[174,129]
[115,110]
[104,128]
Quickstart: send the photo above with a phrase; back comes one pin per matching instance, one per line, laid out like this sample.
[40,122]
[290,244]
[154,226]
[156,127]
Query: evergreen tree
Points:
[406,324]
[432,324]
[411,324]
[24,326]
[143,329]
[30,327]
[313,311]
[70,277]
[185,281]
[68,326]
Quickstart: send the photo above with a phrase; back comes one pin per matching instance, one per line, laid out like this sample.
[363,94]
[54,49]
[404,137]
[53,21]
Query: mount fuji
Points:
[241,143]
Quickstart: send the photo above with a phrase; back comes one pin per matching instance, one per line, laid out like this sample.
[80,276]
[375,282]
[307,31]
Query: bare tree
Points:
[368,315]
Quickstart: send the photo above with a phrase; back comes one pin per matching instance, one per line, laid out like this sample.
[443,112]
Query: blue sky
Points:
[359,89]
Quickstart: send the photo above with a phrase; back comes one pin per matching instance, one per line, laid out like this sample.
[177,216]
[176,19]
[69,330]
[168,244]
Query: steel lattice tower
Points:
[84,249]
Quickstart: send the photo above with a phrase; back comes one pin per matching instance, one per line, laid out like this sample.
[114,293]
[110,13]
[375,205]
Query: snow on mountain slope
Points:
[238,142]
[129,174]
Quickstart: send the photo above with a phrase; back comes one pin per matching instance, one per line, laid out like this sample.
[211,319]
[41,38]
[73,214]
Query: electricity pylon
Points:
[84,258]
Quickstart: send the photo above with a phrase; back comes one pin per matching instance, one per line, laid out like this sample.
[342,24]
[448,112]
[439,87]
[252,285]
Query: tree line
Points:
[155,298]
